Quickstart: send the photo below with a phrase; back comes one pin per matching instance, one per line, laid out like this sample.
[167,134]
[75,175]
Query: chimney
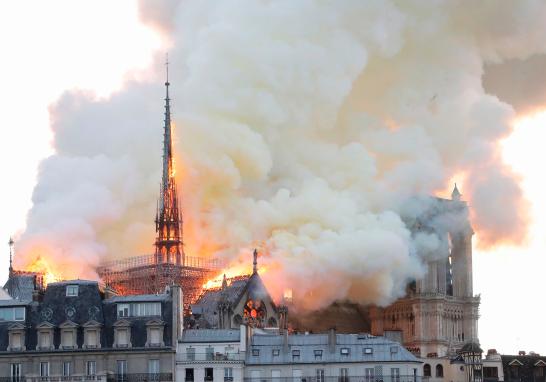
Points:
[332,340]
[285,341]
[521,352]
[177,313]
[109,292]
[243,337]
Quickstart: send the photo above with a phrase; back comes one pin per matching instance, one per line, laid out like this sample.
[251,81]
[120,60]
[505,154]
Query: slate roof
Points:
[56,308]
[20,287]
[525,371]
[383,350]
[211,335]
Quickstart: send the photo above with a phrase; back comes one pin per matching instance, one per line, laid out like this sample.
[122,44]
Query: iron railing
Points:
[142,377]
[78,378]
[384,378]
[219,357]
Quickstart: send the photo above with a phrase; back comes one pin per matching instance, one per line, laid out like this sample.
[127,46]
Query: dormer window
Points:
[122,334]
[12,314]
[68,335]
[368,351]
[16,337]
[45,336]
[154,336]
[91,335]
[344,351]
[71,290]
[318,355]
[295,355]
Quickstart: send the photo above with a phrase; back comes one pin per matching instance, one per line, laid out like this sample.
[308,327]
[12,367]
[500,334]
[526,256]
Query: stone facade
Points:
[71,332]
[440,312]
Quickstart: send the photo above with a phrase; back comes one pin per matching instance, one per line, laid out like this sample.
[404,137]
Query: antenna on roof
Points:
[10,243]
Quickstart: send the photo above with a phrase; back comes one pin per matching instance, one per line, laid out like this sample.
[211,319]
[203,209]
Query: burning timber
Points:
[144,275]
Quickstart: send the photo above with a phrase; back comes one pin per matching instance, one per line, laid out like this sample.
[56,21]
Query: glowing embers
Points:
[42,267]
[255,313]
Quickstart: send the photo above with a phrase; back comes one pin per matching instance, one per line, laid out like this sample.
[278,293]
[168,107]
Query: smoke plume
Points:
[306,128]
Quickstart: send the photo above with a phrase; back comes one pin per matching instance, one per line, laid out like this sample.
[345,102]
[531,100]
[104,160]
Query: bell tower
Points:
[168,220]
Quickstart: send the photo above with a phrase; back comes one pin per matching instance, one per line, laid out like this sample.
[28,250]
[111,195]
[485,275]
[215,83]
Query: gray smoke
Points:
[305,128]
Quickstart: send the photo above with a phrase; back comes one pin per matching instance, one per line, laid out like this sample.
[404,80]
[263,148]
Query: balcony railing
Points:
[385,378]
[78,378]
[218,357]
[145,377]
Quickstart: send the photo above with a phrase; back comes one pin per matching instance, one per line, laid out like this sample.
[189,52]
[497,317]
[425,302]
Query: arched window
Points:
[426,370]
[272,323]
[439,371]
[255,313]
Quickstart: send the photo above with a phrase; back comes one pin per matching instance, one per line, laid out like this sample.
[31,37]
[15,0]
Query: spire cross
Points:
[167,68]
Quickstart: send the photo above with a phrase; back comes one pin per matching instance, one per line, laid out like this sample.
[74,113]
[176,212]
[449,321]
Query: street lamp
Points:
[472,356]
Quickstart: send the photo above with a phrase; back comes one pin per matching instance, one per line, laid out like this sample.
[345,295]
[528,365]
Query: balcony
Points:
[209,357]
[386,378]
[143,377]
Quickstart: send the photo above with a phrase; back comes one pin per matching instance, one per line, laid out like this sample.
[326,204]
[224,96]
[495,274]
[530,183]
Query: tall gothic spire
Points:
[168,222]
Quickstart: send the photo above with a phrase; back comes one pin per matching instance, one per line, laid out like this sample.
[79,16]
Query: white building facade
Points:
[262,356]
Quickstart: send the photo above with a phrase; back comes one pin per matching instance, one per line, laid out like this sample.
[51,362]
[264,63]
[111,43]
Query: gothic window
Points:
[426,370]
[439,371]
[255,313]
[272,323]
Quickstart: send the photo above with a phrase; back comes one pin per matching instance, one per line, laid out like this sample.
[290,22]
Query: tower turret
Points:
[168,222]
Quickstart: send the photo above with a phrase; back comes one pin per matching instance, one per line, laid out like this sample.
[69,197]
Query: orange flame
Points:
[40,265]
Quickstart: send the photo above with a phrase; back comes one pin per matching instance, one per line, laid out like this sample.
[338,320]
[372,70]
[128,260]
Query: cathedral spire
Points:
[255,262]
[168,222]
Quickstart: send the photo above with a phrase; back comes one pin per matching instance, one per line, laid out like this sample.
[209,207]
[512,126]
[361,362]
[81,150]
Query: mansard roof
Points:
[383,350]
[21,286]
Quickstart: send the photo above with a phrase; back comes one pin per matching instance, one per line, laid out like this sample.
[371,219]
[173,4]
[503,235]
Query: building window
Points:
[16,372]
[228,374]
[395,374]
[295,355]
[190,354]
[276,352]
[394,349]
[189,375]
[91,369]
[209,373]
[66,369]
[343,375]
[539,372]
[12,314]
[71,290]
[367,351]
[16,340]
[275,375]
[44,338]
[320,375]
[255,352]
[141,309]
[426,370]
[121,370]
[344,351]
[370,375]
[490,372]
[439,371]
[209,353]
[296,375]
[318,355]
[153,366]
[44,369]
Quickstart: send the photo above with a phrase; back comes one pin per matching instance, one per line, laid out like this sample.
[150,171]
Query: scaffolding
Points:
[143,275]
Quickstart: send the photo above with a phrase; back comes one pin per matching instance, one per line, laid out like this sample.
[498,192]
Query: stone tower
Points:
[439,313]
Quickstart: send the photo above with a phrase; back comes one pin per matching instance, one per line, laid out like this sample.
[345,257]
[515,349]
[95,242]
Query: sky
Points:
[45,60]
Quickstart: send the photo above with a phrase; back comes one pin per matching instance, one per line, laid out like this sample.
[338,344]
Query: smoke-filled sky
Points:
[302,128]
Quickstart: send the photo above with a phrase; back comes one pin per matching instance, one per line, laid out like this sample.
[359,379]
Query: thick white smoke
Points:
[303,127]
